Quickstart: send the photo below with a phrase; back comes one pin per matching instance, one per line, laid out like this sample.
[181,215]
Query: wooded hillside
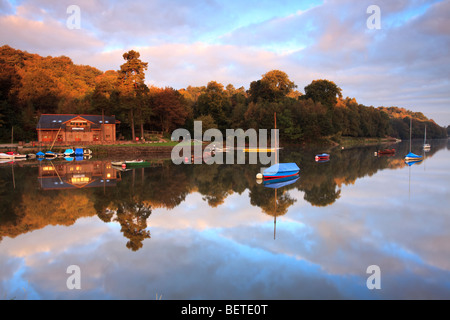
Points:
[31,85]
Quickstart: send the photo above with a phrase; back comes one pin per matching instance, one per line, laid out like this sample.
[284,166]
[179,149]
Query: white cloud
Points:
[405,64]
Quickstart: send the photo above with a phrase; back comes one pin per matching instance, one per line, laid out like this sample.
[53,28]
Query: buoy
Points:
[259,176]
[124,165]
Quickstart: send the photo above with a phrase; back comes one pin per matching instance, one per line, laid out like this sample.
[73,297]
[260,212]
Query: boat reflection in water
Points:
[77,175]
[276,184]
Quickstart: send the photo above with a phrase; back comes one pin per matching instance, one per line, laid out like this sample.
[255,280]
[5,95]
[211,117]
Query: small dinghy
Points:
[281,170]
[322,157]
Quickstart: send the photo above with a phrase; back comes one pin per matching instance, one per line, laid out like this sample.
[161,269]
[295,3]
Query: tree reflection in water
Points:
[128,198]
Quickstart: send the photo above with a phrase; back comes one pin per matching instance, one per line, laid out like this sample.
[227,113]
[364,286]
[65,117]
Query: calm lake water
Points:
[212,232]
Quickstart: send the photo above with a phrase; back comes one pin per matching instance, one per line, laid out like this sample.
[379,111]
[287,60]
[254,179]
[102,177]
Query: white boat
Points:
[6,156]
[120,163]
[12,155]
[50,154]
[426,146]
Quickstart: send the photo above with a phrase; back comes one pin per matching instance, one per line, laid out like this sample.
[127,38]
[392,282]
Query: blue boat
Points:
[413,156]
[69,152]
[40,154]
[78,152]
[411,162]
[281,170]
[281,182]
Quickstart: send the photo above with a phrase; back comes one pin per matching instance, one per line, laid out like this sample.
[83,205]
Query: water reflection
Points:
[332,222]
[71,190]
[58,175]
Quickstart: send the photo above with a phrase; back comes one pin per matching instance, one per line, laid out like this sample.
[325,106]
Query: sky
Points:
[404,63]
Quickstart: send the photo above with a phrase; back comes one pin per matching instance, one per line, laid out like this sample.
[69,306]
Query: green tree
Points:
[215,102]
[207,122]
[273,86]
[323,91]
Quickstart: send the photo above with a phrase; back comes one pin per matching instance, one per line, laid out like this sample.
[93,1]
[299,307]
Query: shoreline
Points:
[166,147]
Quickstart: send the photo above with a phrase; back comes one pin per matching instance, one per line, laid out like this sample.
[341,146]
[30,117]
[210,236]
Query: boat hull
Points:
[6,156]
[282,170]
[322,157]
[137,164]
[258,150]
[411,157]
[281,182]
[382,152]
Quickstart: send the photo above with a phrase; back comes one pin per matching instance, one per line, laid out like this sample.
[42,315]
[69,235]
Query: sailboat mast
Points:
[276,146]
[410,133]
[425,138]
[275,217]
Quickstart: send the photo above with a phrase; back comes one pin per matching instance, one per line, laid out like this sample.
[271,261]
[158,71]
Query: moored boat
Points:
[426,146]
[131,163]
[386,151]
[16,155]
[50,155]
[6,156]
[136,163]
[281,182]
[69,152]
[281,170]
[322,157]
[412,157]
[259,149]
[411,162]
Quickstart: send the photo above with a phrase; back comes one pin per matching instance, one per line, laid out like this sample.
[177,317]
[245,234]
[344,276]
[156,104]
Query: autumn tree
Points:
[132,87]
[169,108]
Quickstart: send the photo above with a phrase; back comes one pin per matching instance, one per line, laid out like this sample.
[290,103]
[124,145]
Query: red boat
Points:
[386,151]
[322,157]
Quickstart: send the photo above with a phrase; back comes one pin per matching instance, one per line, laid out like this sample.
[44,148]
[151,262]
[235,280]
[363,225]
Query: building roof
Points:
[56,121]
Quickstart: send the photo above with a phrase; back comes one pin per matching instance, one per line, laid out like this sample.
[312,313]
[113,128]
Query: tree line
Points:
[31,85]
